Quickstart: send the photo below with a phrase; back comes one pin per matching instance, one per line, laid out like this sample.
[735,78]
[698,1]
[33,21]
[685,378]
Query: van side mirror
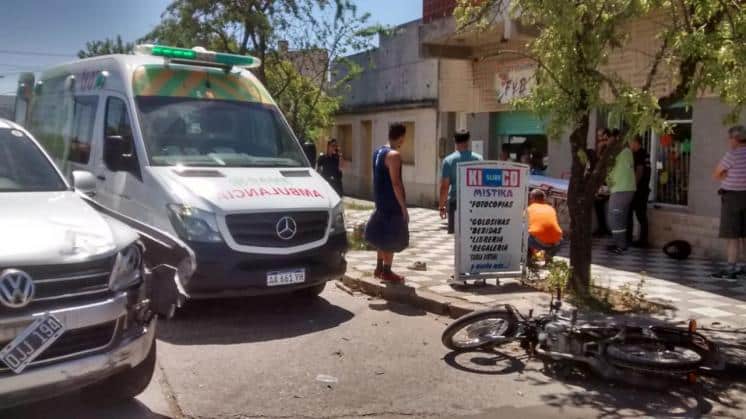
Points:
[309,147]
[119,153]
[84,182]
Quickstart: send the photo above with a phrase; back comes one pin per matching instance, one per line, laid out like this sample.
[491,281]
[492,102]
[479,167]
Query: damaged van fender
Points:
[167,262]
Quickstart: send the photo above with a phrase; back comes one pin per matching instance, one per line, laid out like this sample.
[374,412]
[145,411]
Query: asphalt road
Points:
[350,356]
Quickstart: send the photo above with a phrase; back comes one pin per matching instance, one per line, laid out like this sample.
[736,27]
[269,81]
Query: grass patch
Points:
[630,298]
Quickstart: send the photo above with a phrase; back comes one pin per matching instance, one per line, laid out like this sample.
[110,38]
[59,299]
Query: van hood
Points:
[227,190]
[41,228]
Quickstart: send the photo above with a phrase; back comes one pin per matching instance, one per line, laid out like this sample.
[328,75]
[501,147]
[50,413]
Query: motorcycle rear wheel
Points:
[480,329]
[654,356]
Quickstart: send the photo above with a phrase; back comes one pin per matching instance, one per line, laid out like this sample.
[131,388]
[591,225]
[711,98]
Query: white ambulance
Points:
[190,142]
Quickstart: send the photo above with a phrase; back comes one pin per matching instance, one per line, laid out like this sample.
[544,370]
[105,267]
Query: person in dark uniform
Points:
[639,207]
[388,227]
[328,166]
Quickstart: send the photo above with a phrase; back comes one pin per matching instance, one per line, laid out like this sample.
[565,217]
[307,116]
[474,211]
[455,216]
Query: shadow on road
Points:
[485,362]
[610,400]
[244,320]
[71,406]
[398,308]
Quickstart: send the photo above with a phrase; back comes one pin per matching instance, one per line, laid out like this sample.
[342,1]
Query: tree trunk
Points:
[580,205]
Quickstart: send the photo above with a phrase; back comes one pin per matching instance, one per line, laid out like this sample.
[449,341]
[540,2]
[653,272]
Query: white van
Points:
[190,142]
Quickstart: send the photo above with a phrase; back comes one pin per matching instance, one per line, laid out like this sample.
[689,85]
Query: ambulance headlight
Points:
[338,218]
[192,224]
[128,269]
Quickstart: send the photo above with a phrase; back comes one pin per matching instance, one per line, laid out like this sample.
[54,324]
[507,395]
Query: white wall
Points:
[419,179]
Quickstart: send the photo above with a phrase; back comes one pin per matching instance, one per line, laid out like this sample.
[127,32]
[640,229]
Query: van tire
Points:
[313,291]
[124,385]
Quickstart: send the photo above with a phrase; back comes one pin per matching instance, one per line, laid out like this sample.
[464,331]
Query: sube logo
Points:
[496,178]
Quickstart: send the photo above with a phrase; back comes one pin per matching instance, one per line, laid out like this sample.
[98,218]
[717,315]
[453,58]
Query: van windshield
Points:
[23,167]
[206,132]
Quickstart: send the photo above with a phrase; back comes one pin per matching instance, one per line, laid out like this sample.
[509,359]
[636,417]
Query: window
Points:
[23,167]
[84,116]
[670,156]
[117,124]
[201,132]
[117,119]
[407,149]
[344,134]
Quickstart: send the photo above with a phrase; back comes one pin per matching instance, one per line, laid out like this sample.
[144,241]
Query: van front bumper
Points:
[224,272]
[128,349]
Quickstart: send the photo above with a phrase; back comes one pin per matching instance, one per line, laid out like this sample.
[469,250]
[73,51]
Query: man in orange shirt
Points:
[544,232]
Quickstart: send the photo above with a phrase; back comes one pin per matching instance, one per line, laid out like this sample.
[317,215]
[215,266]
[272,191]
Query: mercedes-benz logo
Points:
[16,288]
[286,228]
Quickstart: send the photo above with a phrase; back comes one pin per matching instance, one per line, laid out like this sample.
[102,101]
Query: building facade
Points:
[472,87]
[395,86]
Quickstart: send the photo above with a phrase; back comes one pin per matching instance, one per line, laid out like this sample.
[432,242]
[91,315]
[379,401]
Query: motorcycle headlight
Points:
[128,269]
[194,224]
[338,218]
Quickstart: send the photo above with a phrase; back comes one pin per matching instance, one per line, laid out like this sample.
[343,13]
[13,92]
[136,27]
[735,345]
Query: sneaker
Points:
[377,273]
[725,274]
[392,278]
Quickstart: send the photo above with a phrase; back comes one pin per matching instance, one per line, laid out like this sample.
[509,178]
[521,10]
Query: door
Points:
[118,167]
[366,158]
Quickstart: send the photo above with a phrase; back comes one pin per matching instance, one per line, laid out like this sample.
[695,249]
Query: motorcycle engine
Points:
[554,337]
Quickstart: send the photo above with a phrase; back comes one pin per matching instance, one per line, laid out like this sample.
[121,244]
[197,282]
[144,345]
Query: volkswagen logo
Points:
[286,228]
[16,288]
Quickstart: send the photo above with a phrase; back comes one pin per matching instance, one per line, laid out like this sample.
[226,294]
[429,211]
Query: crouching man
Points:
[544,232]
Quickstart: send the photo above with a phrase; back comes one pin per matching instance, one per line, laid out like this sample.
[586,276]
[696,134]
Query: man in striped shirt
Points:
[731,172]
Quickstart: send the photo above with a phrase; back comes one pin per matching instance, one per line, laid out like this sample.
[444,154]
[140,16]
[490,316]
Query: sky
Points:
[35,34]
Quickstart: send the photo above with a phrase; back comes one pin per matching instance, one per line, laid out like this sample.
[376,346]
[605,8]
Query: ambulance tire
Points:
[313,291]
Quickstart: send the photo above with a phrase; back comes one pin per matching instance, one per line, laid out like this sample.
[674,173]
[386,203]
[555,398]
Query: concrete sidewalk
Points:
[686,286]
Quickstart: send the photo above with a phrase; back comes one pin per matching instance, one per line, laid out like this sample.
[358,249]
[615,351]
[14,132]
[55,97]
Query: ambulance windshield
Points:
[210,132]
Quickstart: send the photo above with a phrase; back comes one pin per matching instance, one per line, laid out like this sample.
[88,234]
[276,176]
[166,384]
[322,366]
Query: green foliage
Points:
[632,296]
[559,275]
[105,47]
[320,32]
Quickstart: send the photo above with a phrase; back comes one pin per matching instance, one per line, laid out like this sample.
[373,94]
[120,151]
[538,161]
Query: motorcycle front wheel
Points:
[654,356]
[479,329]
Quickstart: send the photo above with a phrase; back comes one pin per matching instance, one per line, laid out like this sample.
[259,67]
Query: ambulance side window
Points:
[84,116]
[119,145]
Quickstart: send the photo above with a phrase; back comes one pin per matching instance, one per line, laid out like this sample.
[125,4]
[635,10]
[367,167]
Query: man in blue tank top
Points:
[388,228]
[448,182]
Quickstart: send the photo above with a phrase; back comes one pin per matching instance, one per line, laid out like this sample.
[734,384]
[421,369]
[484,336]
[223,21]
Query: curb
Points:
[426,300]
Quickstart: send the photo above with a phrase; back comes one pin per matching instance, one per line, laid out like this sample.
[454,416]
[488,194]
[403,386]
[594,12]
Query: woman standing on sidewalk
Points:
[388,227]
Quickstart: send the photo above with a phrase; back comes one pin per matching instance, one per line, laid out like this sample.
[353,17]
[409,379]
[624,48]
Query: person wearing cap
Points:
[731,173]
[328,166]
[448,182]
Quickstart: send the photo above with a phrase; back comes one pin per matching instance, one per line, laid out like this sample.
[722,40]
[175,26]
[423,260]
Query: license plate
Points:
[295,276]
[31,342]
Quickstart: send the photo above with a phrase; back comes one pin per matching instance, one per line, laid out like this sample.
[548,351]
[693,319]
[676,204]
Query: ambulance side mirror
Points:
[119,152]
[309,147]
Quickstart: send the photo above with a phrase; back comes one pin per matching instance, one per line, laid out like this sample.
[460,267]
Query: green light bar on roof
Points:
[199,54]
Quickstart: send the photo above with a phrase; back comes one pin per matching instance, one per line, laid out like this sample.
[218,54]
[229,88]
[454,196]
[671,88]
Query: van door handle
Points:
[101,177]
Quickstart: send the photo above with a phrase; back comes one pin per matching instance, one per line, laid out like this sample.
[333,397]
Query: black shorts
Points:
[733,214]
[387,232]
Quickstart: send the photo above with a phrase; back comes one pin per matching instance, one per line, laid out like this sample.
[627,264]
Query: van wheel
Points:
[124,385]
[312,292]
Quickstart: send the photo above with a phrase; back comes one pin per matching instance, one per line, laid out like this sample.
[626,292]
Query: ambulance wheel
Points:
[313,291]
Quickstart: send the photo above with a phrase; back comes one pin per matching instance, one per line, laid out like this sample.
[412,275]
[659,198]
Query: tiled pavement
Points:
[684,285]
